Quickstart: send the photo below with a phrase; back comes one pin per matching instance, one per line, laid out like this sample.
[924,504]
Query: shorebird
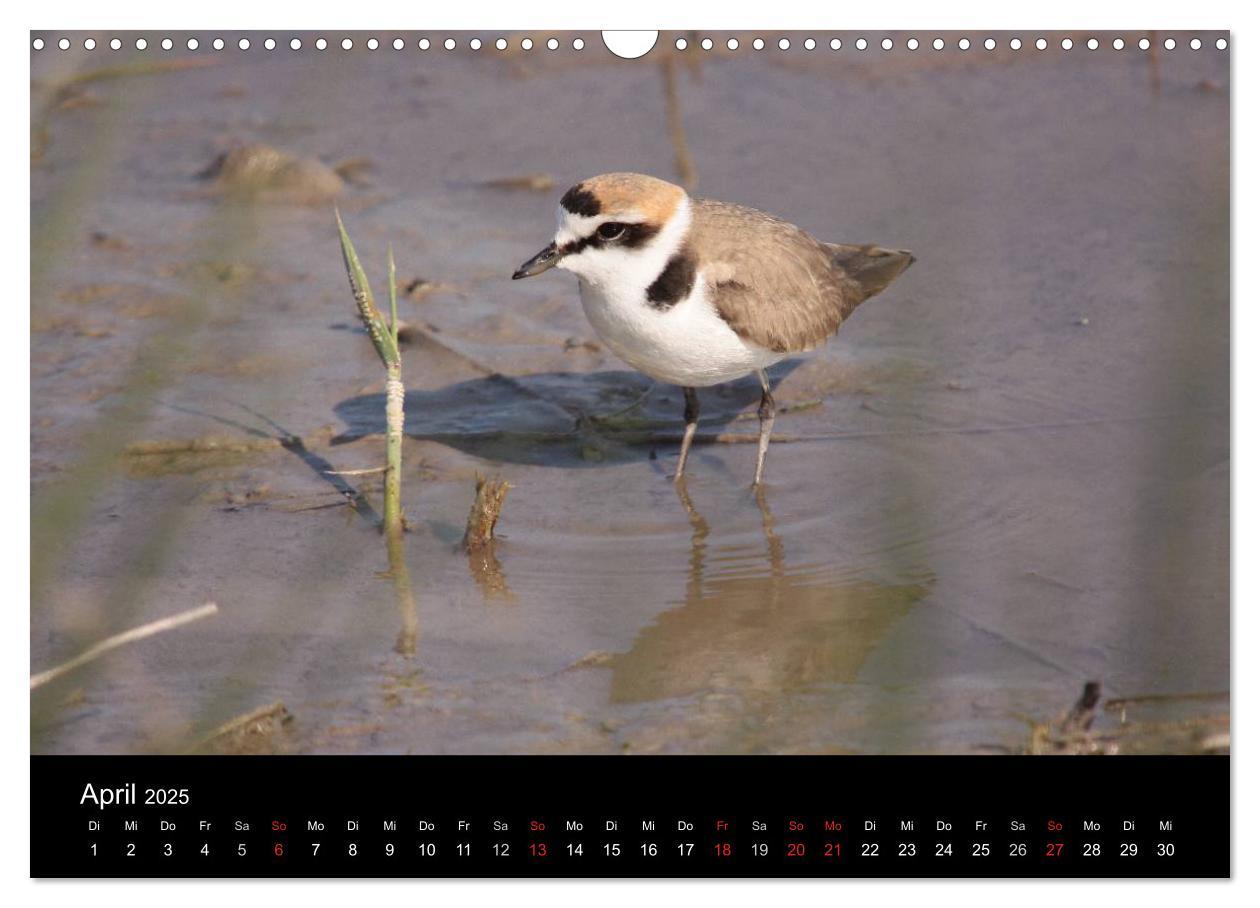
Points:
[695,292]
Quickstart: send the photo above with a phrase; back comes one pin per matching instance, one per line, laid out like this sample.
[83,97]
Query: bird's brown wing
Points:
[774,284]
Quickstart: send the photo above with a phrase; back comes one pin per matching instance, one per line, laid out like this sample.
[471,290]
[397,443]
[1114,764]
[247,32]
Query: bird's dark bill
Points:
[539,263]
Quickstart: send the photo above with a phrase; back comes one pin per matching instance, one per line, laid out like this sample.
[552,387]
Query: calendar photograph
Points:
[766,393]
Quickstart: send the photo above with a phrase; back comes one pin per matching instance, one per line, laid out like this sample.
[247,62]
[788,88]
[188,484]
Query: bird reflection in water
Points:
[754,624]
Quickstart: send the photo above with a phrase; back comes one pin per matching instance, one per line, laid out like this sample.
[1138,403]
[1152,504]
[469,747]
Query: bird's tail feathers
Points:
[873,267]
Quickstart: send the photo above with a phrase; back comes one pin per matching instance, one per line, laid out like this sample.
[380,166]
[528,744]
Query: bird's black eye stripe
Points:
[631,236]
[637,235]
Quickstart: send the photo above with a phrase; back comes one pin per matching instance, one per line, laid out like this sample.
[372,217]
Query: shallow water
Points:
[1010,472]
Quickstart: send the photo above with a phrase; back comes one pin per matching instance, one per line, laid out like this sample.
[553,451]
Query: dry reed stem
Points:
[409,632]
[136,633]
[683,162]
[370,471]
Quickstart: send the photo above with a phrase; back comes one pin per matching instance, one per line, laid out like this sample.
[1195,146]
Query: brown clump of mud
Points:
[271,175]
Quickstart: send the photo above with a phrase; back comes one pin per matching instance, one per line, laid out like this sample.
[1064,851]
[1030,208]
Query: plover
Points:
[695,292]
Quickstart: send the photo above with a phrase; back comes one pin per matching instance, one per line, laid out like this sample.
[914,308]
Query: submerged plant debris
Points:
[1192,723]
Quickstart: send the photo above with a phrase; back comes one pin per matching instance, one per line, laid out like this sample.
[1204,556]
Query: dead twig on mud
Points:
[1081,716]
[780,411]
[484,513]
[256,721]
[726,438]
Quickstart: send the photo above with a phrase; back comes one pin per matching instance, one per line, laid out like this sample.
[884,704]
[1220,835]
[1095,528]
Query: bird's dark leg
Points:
[691,413]
[765,413]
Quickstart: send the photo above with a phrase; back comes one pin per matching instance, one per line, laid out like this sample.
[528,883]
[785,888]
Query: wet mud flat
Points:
[1007,476]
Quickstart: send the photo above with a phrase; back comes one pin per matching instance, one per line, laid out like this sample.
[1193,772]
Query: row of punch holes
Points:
[681,44]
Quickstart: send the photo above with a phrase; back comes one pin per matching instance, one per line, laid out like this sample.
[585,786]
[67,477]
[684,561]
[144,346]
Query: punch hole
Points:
[89,44]
[989,44]
[1066,44]
[1144,43]
[500,44]
[1016,44]
[810,43]
[707,43]
[860,44]
[784,44]
[64,44]
[38,44]
[1170,44]
[527,44]
[732,44]
[886,44]
[1118,44]
[1042,44]
[1221,44]
[475,44]
[578,44]
[243,44]
[449,43]
[192,44]
[424,44]
[321,44]
[399,44]
[938,44]
[1092,44]
[142,44]
[373,44]
[629,45]
[346,44]
[758,44]
[1195,43]
[295,44]
[552,44]
[270,44]
[964,43]
[116,44]
[835,43]
[681,44]
[913,44]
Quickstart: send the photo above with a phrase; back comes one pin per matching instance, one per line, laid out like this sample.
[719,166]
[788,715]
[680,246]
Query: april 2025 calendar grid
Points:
[704,817]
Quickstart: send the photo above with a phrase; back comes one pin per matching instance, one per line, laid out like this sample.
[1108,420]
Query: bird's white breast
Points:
[684,343]
[687,344]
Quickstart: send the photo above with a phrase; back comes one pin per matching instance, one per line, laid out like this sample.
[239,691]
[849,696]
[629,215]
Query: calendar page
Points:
[630,454]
